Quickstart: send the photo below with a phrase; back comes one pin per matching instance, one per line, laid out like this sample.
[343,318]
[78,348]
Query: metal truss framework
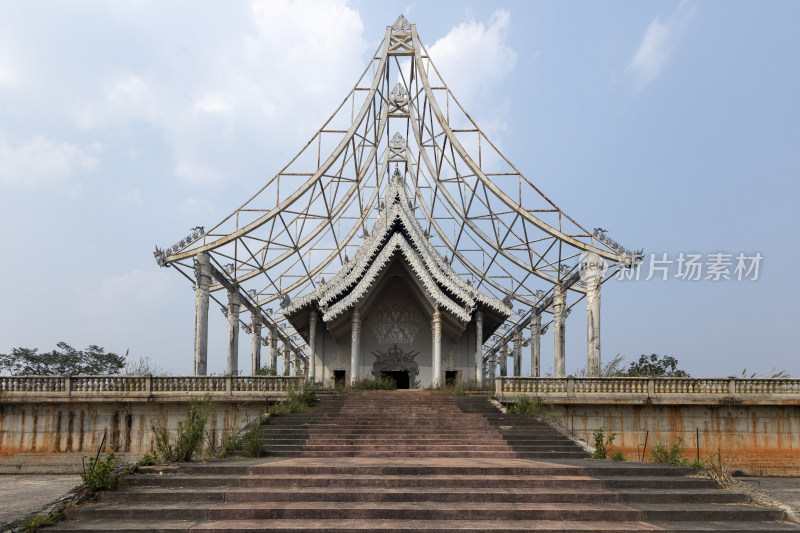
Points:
[489,221]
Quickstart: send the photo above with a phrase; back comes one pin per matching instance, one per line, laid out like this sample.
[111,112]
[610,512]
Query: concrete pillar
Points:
[272,340]
[255,344]
[479,370]
[536,345]
[503,360]
[592,276]
[559,319]
[233,332]
[355,346]
[492,366]
[201,296]
[296,363]
[517,351]
[437,348]
[286,360]
[312,346]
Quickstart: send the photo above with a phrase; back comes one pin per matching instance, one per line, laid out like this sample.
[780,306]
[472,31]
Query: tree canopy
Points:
[656,366]
[64,360]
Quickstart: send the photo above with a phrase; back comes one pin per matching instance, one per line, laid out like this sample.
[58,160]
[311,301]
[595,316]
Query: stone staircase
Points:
[529,437]
[404,424]
[285,435]
[413,461]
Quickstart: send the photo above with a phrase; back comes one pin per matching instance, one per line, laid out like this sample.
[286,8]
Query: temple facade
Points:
[397,309]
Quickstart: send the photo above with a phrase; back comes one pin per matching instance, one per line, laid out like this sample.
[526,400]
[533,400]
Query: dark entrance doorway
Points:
[450,377]
[339,378]
[400,377]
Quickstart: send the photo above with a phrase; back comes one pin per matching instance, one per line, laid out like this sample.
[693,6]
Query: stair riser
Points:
[576,514]
[411,482]
[478,499]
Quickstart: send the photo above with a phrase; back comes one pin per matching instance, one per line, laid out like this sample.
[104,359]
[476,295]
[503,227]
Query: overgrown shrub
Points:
[189,436]
[253,445]
[101,474]
[266,371]
[295,402]
[617,455]
[669,455]
[374,383]
[526,406]
[35,521]
[148,459]
[602,443]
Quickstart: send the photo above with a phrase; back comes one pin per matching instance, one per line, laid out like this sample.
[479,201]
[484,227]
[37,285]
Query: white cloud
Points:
[314,43]
[474,57]
[213,104]
[40,161]
[657,45]
[197,174]
[133,196]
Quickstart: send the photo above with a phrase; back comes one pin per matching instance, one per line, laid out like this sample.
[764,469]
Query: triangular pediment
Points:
[397,235]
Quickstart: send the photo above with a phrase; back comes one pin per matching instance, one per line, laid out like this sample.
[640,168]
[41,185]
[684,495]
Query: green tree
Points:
[655,366]
[63,360]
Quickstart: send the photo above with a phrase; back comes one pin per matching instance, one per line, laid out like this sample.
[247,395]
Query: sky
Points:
[673,125]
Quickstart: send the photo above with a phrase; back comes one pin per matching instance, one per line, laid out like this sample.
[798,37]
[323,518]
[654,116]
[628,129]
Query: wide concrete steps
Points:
[168,498]
[527,435]
[432,495]
[402,424]
[415,526]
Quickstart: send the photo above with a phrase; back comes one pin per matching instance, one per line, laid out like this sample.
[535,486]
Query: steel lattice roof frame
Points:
[289,235]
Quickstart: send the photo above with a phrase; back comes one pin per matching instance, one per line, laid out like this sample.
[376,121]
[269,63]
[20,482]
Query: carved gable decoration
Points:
[396,318]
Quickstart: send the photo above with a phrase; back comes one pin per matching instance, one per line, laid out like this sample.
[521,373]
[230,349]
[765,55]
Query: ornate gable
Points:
[396,234]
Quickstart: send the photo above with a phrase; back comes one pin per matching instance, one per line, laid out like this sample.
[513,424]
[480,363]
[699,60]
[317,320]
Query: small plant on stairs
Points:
[602,443]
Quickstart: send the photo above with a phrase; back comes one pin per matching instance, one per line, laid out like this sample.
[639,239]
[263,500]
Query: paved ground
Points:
[783,489]
[24,494]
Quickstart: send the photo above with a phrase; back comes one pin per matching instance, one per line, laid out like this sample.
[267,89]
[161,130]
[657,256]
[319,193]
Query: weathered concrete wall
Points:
[78,426]
[756,439]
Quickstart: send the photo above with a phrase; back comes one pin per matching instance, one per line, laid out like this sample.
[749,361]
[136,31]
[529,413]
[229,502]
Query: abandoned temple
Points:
[414,250]
[400,243]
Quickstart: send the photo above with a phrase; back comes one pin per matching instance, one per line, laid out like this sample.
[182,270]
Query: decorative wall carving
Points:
[395,319]
[395,359]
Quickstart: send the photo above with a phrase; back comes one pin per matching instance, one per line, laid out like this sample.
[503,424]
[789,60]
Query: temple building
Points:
[396,309]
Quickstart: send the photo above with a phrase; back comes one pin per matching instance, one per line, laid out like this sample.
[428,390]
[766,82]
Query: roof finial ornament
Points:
[396,174]
[401,25]
[397,141]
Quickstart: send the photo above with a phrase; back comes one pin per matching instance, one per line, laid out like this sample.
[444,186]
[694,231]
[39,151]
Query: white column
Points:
[355,342]
[479,371]
[437,348]
[286,361]
[503,360]
[233,332]
[312,346]
[492,367]
[592,276]
[559,319]
[201,295]
[536,345]
[255,345]
[272,340]
[517,351]
[296,363]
